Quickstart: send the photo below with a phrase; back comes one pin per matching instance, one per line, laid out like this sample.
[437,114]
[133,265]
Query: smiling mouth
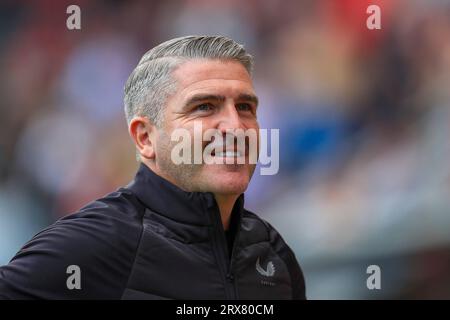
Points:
[227,154]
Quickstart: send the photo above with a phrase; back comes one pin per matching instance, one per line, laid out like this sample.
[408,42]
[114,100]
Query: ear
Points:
[142,131]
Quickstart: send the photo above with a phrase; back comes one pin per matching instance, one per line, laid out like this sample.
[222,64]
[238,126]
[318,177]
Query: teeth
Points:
[228,154]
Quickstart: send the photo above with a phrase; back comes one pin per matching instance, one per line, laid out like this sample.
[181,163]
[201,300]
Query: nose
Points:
[229,118]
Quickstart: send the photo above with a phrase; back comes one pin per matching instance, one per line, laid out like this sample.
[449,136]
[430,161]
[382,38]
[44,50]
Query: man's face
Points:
[219,95]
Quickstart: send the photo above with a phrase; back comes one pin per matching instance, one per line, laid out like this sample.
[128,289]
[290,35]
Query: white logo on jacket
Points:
[268,272]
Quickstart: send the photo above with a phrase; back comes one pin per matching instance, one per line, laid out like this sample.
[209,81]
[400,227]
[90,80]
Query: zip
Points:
[230,269]
[222,254]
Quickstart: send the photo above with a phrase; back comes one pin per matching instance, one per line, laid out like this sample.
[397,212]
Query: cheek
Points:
[163,144]
[252,125]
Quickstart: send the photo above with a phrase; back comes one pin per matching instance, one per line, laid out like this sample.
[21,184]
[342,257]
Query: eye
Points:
[244,107]
[204,107]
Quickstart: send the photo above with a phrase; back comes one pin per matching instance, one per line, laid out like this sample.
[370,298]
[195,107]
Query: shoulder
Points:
[114,218]
[262,229]
[100,239]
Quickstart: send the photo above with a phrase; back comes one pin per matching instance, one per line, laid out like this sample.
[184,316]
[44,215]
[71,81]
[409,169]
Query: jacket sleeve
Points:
[41,269]
[289,258]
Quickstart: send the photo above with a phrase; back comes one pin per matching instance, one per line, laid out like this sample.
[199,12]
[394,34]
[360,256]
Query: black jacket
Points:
[152,240]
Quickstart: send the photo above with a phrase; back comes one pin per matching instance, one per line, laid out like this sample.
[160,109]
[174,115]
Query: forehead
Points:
[227,76]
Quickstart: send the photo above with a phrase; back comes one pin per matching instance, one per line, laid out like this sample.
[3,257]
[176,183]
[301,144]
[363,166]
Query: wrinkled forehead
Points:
[211,74]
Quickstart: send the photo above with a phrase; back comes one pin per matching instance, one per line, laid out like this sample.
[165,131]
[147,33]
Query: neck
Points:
[225,204]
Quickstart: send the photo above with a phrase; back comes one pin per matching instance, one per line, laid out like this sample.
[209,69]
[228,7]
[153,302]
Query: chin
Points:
[229,182]
[229,189]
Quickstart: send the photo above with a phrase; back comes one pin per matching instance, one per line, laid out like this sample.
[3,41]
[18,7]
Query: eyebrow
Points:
[248,97]
[204,97]
[219,98]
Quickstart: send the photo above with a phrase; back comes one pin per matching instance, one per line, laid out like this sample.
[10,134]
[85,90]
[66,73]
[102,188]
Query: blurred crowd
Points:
[364,119]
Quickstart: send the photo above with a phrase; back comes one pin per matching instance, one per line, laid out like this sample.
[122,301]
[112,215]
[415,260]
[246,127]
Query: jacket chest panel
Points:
[261,273]
[168,268]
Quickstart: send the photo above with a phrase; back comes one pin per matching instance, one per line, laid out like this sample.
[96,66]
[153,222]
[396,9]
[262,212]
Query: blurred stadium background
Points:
[364,120]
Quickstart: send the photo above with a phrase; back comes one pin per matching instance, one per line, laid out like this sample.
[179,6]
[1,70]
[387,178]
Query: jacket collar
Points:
[165,198]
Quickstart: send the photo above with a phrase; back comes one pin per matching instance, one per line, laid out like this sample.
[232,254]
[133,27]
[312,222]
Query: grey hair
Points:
[150,83]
